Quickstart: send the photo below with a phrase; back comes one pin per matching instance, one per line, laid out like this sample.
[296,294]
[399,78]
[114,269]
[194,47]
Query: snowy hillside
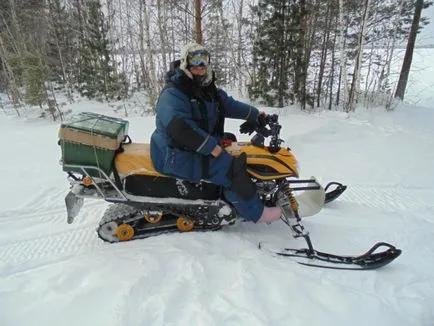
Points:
[52,273]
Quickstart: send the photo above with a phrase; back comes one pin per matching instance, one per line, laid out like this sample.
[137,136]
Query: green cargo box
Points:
[91,139]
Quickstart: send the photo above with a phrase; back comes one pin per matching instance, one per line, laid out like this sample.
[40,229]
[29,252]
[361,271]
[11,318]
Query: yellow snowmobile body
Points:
[135,159]
[148,203]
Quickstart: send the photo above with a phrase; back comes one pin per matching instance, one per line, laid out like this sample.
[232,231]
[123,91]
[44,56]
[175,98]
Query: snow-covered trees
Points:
[317,53]
[277,53]
[327,53]
[97,76]
[403,77]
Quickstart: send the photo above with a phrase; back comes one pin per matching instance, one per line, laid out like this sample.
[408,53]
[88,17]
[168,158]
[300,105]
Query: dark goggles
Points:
[198,58]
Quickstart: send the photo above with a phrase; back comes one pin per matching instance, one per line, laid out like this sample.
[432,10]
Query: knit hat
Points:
[185,51]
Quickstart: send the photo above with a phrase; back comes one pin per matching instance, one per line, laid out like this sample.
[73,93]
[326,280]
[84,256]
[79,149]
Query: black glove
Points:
[248,127]
[261,120]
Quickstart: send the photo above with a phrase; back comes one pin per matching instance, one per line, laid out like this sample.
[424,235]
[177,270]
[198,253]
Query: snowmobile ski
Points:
[368,261]
[335,193]
[314,258]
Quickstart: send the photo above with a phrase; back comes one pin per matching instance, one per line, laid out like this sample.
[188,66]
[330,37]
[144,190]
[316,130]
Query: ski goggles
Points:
[198,58]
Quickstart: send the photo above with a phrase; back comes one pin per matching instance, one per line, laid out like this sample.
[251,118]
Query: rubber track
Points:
[120,212]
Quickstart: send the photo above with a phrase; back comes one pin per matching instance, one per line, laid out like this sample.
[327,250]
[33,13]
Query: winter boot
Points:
[270,215]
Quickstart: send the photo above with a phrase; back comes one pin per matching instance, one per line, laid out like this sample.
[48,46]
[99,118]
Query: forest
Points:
[330,54]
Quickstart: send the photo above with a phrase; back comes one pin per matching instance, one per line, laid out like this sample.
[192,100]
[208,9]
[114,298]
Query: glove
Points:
[262,119]
[249,127]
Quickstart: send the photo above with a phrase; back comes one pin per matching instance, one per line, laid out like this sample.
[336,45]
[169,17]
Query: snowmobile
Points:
[147,203]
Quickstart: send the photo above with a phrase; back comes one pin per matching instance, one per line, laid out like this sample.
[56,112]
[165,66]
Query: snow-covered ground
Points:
[52,273]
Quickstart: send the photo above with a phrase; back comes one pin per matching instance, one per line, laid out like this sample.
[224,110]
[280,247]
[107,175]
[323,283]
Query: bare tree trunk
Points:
[130,30]
[110,23]
[323,59]
[172,34]
[65,76]
[150,58]
[17,29]
[198,21]
[163,34]
[301,67]
[13,89]
[332,75]
[385,74]
[143,78]
[240,41]
[280,62]
[11,40]
[355,85]
[368,92]
[53,106]
[343,58]
[234,57]
[406,65]
[123,35]
[81,36]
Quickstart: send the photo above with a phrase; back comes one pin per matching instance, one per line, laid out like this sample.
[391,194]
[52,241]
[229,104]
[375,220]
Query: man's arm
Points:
[237,110]
[174,112]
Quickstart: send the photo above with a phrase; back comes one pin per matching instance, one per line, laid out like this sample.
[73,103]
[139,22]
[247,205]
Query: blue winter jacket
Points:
[178,143]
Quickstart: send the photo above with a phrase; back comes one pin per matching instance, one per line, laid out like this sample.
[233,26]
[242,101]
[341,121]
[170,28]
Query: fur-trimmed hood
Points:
[189,48]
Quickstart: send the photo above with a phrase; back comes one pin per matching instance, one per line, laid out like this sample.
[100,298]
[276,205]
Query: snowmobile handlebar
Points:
[262,132]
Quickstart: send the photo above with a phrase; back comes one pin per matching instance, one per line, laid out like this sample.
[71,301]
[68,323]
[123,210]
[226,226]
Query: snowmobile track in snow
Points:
[82,236]
[48,246]
[43,232]
[381,197]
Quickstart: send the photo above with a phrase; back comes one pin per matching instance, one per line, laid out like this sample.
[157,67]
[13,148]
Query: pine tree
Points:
[98,77]
[216,39]
[34,77]
[278,57]
[61,51]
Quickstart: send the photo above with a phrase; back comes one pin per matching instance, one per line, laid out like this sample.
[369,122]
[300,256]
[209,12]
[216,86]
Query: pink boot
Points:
[270,215]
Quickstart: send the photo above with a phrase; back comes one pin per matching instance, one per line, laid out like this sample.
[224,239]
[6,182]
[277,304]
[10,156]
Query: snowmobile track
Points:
[377,196]
[51,245]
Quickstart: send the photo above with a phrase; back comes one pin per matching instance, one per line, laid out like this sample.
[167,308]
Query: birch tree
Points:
[162,29]
[355,85]
[343,57]
[153,86]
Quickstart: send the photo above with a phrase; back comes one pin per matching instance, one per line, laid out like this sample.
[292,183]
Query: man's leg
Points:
[239,189]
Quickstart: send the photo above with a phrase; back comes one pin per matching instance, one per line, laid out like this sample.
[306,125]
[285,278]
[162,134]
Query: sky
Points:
[426,37]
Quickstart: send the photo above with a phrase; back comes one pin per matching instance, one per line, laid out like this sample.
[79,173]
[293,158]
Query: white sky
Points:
[427,35]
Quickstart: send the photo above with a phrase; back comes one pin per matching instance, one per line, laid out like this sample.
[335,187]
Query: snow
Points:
[52,273]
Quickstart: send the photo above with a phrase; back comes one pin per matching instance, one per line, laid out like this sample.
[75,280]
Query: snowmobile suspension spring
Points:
[288,192]
[298,228]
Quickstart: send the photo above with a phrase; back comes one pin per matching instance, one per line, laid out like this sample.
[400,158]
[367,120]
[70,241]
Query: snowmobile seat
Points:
[135,159]
[134,165]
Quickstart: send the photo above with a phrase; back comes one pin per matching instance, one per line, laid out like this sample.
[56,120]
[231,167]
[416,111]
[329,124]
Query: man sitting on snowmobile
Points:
[189,126]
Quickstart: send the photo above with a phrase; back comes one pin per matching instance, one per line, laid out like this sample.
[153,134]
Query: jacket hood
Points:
[188,86]
[192,47]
